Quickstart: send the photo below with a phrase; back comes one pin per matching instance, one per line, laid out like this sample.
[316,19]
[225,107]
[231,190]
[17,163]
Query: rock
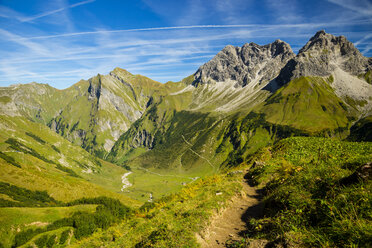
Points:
[95,86]
[363,173]
[144,139]
[321,56]
[235,172]
[257,163]
[251,63]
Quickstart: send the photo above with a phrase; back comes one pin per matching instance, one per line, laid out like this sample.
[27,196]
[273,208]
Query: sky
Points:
[60,42]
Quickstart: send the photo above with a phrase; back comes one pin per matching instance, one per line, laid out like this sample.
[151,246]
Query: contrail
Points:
[300,25]
[55,11]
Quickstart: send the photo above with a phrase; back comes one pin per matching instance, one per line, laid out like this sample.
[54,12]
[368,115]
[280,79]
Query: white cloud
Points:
[55,11]
[362,7]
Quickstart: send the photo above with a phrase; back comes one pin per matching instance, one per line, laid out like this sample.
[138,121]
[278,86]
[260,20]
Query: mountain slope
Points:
[316,92]
[93,113]
[34,157]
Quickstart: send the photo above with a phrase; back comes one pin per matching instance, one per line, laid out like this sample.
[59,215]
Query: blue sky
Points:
[60,42]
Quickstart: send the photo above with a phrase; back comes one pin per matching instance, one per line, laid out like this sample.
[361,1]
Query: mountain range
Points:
[84,138]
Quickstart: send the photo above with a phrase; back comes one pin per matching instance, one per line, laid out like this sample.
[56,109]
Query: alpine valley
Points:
[121,160]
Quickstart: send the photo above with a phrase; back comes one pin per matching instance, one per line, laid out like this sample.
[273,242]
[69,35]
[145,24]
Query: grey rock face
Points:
[321,55]
[125,83]
[143,138]
[245,64]
[95,86]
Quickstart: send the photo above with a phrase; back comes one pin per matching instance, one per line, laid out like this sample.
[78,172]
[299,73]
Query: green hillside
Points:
[313,197]
[307,103]
[47,161]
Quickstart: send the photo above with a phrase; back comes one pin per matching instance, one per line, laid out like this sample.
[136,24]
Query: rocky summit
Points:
[249,64]
[322,55]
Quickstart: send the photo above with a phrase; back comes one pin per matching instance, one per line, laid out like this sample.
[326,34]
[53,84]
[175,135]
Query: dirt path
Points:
[232,222]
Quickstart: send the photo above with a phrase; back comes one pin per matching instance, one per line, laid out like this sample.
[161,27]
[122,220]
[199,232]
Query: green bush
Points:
[64,236]
[37,138]
[42,241]
[25,197]
[67,170]
[9,159]
[51,241]
[108,212]
[55,148]
[16,145]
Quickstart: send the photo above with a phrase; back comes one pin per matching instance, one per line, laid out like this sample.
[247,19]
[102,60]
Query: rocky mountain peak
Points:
[336,45]
[322,55]
[249,64]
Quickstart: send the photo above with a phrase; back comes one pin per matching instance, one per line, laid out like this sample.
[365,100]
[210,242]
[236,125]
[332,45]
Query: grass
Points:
[23,224]
[5,99]
[367,76]
[171,221]
[306,203]
[13,220]
[50,163]
[306,103]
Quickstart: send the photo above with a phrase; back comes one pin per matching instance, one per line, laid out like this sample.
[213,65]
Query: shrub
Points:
[38,139]
[42,241]
[64,236]
[51,241]
[9,159]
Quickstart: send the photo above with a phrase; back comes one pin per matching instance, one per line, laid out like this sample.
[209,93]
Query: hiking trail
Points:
[231,223]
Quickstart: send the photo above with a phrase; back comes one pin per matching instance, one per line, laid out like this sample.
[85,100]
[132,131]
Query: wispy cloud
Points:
[284,11]
[9,13]
[33,47]
[216,26]
[363,7]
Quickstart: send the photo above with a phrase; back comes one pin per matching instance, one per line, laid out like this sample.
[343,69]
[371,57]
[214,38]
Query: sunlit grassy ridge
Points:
[308,200]
[306,103]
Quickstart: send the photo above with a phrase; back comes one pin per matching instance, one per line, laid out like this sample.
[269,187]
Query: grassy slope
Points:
[306,103]
[40,172]
[306,203]
[172,162]
[96,177]
[171,221]
[16,219]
